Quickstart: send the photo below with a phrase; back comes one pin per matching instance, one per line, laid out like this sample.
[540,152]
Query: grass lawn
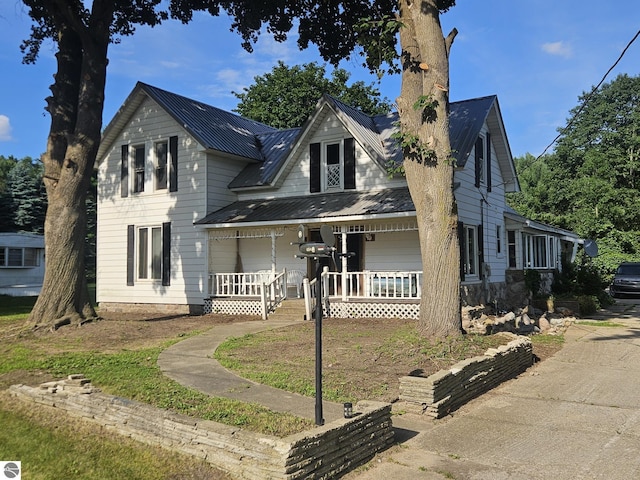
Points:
[362,360]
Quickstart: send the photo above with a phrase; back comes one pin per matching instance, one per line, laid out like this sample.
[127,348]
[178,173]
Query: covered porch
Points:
[252,247]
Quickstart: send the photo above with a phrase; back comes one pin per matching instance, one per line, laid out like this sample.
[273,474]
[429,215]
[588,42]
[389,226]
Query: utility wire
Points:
[587,98]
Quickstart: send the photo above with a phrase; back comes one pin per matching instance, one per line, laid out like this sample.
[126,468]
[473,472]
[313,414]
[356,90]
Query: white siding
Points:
[151,208]
[477,206]
[394,251]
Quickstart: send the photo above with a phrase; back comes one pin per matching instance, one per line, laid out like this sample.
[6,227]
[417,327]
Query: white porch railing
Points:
[375,284]
[348,285]
[270,287]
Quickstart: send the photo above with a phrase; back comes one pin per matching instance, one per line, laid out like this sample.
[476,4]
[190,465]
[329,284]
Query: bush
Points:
[533,281]
[588,304]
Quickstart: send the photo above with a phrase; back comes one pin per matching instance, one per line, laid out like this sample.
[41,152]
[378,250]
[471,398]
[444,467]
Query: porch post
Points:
[273,250]
[343,260]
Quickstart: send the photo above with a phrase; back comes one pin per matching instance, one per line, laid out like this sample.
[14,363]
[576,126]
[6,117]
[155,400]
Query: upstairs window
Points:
[482,155]
[479,162]
[332,166]
[161,155]
[164,168]
[138,167]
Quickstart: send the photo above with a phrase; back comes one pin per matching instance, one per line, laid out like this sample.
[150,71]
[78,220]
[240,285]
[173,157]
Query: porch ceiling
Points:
[331,205]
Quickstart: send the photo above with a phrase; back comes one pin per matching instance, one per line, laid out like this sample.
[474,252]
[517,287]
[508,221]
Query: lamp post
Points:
[316,250]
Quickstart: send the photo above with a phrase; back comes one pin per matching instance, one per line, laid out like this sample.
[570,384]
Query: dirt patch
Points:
[362,358]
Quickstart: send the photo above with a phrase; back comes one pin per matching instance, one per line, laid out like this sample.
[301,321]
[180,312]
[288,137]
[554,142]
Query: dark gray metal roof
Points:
[274,147]
[342,204]
[465,123]
[212,127]
[374,134]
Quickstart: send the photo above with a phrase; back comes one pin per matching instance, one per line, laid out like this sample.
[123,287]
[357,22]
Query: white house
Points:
[21,264]
[198,209]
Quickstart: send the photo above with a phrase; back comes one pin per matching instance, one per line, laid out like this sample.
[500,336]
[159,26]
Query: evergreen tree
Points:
[28,196]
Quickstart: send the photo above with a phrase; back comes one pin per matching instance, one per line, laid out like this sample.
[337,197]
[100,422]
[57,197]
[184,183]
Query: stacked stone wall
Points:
[447,390]
[327,451]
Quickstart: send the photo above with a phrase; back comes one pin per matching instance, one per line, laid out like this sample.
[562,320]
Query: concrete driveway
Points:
[573,416]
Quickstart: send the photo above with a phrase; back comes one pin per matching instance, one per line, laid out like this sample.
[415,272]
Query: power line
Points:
[587,98]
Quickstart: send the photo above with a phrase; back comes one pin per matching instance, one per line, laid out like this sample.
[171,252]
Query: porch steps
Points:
[290,309]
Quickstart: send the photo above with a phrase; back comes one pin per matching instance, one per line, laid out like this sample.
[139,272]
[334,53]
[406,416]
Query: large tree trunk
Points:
[76,108]
[427,162]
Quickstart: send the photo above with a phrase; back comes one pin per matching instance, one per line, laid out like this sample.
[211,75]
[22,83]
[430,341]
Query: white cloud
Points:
[5,129]
[560,49]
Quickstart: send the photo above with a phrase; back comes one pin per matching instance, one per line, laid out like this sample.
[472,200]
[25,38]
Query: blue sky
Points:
[538,56]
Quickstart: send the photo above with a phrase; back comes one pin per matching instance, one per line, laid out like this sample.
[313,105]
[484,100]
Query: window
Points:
[150,253]
[539,251]
[139,161]
[479,161]
[470,251]
[498,239]
[19,257]
[332,166]
[511,246]
[161,155]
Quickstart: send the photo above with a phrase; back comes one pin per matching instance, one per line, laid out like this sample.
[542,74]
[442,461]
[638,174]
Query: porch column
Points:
[273,250]
[343,260]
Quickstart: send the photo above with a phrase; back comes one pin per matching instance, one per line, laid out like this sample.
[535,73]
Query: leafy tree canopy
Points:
[591,183]
[285,97]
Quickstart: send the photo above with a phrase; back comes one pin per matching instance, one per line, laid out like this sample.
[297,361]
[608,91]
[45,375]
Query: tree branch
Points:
[448,41]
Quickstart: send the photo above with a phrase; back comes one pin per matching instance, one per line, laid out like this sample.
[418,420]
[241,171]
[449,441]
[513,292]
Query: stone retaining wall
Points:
[447,390]
[328,451]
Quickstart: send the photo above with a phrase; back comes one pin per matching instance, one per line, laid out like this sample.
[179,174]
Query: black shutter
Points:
[480,251]
[488,141]
[166,254]
[478,153]
[124,171]
[173,164]
[131,255]
[349,164]
[314,167]
[461,242]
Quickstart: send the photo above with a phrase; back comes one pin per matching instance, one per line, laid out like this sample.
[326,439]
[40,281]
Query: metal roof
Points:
[219,130]
[289,209]
[214,128]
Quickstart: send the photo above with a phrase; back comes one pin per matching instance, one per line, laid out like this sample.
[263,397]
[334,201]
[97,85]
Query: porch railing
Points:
[270,287]
[375,284]
[348,285]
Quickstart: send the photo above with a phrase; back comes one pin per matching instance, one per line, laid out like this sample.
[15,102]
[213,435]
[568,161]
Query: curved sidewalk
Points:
[191,363]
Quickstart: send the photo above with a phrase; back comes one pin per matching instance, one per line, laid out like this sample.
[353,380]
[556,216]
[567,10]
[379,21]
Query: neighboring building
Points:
[198,209]
[21,264]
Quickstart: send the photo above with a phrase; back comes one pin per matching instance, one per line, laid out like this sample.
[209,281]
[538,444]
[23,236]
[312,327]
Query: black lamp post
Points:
[316,250]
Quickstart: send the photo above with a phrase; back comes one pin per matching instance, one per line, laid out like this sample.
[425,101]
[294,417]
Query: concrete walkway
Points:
[190,363]
[573,416]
